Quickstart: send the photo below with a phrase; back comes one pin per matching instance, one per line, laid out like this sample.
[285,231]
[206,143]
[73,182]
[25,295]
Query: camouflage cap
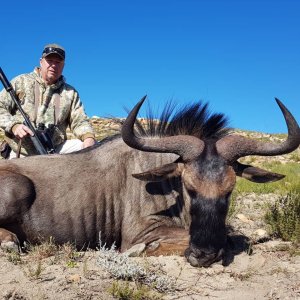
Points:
[54,49]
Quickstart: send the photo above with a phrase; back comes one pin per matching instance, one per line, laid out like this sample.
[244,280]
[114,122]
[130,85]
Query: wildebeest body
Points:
[77,201]
[168,187]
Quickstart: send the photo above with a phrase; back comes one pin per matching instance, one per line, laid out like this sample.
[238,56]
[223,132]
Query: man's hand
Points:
[21,131]
[88,142]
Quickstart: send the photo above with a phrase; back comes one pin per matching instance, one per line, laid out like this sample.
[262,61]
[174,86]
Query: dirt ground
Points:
[260,268]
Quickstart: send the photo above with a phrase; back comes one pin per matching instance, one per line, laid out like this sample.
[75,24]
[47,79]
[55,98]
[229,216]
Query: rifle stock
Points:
[35,139]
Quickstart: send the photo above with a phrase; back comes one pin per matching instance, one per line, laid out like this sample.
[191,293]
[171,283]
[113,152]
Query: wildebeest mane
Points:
[192,119]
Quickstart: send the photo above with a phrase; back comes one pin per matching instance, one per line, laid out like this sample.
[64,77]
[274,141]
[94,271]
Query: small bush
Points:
[70,254]
[34,271]
[14,257]
[120,266]
[125,291]
[45,249]
[284,217]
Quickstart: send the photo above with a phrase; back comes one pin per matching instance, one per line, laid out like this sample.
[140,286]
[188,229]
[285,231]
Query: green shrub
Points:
[283,217]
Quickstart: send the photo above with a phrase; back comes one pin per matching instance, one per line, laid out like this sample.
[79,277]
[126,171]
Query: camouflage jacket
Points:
[69,109]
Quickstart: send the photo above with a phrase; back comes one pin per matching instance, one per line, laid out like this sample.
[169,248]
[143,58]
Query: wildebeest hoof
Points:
[153,246]
[136,250]
[10,246]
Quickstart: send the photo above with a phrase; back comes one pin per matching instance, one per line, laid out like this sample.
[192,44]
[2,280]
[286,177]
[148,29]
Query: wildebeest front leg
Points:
[167,241]
[17,193]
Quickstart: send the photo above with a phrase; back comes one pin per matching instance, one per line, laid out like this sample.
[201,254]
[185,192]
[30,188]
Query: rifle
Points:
[40,139]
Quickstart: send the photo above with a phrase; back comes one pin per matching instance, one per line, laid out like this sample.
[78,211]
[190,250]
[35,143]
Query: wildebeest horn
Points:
[187,147]
[233,147]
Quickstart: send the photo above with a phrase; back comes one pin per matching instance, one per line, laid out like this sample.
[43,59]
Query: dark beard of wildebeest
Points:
[167,188]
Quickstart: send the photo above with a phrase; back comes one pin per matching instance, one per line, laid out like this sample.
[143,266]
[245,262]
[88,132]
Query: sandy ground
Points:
[261,268]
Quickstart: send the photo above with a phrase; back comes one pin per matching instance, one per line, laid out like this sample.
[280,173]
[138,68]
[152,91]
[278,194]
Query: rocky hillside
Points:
[106,127]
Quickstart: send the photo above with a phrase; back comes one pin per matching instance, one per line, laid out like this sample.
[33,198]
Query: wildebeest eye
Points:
[192,193]
[227,196]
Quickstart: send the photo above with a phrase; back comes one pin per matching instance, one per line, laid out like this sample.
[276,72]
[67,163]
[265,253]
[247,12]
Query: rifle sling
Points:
[36,100]
[56,103]
[18,152]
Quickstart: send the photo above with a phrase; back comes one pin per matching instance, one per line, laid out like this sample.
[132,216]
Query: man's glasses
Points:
[50,50]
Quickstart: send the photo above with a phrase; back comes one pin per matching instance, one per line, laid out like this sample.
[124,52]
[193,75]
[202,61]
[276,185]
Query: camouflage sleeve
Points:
[79,122]
[8,118]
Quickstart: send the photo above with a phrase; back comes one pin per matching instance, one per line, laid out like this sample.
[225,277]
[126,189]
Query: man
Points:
[49,100]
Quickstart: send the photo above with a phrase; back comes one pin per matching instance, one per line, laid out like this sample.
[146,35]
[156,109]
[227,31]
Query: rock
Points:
[73,278]
[274,246]
[244,219]
[260,234]
[257,261]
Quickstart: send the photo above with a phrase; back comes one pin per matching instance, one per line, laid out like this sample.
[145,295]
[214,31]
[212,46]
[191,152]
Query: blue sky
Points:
[236,55]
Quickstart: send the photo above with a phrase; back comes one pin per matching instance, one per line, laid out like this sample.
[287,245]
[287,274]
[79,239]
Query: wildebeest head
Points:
[208,166]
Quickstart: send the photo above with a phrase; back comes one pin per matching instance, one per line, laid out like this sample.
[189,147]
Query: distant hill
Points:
[106,127]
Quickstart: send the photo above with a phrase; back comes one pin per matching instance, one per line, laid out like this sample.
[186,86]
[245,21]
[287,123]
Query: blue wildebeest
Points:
[168,188]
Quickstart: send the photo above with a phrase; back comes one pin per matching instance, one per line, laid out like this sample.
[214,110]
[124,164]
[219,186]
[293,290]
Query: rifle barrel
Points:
[35,140]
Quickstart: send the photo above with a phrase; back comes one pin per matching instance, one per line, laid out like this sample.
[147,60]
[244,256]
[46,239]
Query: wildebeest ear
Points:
[161,173]
[256,174]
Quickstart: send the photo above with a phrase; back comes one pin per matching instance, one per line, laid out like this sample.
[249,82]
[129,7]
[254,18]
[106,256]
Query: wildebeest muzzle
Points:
[203,258]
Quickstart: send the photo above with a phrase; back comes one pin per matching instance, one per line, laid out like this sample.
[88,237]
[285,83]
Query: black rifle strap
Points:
[56,97]
[18,152]
[36,100]
[56,102]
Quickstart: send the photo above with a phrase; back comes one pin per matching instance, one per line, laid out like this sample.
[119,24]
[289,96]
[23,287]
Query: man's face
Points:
[51,68]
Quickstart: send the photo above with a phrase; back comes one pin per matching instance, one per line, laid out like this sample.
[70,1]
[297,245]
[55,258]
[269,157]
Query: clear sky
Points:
[237,55]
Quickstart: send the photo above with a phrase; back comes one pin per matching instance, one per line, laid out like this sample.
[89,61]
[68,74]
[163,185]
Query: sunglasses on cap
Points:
[52,50]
